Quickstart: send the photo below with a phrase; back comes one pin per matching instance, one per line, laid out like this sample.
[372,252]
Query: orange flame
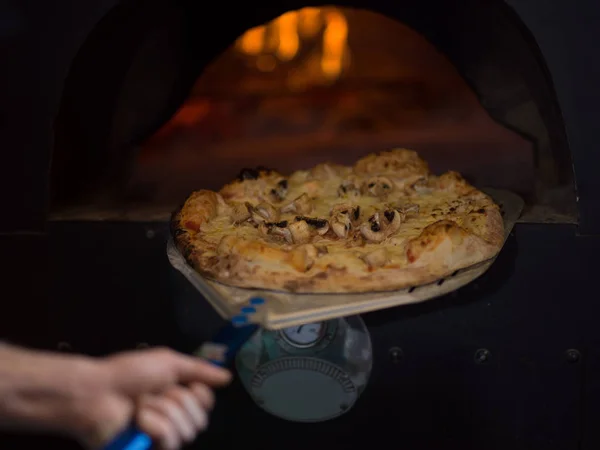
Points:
[282,39]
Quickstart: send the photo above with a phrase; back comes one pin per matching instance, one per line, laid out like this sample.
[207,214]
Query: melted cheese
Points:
[324,195]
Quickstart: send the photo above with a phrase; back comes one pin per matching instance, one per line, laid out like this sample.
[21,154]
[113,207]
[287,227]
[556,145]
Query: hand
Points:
[167,394]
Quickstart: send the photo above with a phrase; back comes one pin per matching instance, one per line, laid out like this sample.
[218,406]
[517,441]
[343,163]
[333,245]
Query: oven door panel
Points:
[529,310]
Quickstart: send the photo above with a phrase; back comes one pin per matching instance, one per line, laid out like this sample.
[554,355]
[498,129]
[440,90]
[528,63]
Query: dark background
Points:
[106,286]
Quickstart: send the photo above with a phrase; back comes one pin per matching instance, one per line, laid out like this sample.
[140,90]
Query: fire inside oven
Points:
[327,84]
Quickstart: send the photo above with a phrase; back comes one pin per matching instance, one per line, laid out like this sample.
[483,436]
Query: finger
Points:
[191,405]
[194,370]
[204,395]
[155,370]
[159,428]
[169,408]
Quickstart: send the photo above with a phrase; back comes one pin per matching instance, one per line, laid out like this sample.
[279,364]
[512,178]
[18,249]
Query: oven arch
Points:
[502,65]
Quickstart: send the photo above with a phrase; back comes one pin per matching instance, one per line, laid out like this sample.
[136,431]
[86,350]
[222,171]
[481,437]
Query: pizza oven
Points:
[114,111]
[312,85]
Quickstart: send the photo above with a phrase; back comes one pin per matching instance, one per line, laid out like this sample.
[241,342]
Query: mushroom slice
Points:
[407,210]
[348,189]
[341,225]
[263,212]
[353,212]
[240,213]
[278,229]
[324,229]
[285,233]
[421,186]
[356,213]
[371,229]
[321,226]
[267,211]
[279,192]
[393,220]
[378,186]
[410,208]
[380,226]
[301,205]
[300,231]
[376,258]
[264,229]
[343,208]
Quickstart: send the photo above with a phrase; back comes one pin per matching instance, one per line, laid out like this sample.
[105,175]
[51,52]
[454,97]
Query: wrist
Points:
[75,397]
[43,391]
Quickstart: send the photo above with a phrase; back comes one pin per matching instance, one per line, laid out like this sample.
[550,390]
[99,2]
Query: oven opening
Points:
[316,85]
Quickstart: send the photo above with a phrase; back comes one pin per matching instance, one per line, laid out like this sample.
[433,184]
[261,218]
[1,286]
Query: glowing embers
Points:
[315,40]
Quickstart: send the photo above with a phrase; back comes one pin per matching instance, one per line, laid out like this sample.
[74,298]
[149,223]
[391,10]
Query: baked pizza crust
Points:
[384,224]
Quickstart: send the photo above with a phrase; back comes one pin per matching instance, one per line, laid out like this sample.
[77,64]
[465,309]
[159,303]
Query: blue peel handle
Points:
[234,335]
[130,439]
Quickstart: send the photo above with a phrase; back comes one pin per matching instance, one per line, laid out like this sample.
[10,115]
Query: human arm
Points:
[92,399]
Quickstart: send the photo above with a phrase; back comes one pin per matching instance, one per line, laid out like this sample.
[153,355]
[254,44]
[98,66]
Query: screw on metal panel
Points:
[482,356]
[573,355]
[64,347]
[396,354]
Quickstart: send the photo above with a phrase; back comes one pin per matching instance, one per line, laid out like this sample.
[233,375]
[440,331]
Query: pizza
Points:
[385,223]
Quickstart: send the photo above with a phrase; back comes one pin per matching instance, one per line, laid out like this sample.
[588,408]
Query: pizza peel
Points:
[283,309]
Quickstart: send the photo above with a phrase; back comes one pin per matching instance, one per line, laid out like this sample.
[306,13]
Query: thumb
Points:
[154,370]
